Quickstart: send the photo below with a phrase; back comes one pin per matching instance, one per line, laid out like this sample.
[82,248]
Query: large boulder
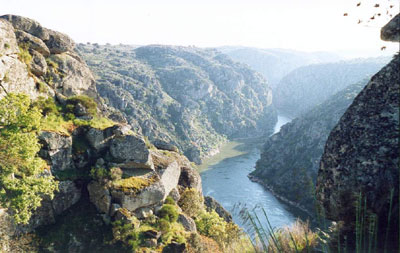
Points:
[38,65]
[150,196]
[130,152]
[14,76]
[212,204]
[68,194]
[8,41]
[28,25]
[57,150]
[187,222]
[391,31]
[34,42]
[190,178]
[100,196]
[59,43]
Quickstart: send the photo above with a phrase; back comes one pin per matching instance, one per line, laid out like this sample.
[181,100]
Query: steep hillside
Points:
[274,64]
[308,86]
[290,159]
[71,179]
[360,163]
[191,97]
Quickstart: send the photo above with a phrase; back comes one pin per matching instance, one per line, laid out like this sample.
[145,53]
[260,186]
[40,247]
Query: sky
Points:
[304,25]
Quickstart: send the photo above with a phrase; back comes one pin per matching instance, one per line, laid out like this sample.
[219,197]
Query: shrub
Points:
[99,173]
[168,212]
[47,106]
[85,101]
[169,200]
[191,202]
[6,45]
[224,233]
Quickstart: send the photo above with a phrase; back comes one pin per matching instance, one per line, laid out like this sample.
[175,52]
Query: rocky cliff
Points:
[290,159]
[308,86]
[191,97]
[117,192]
[360,163]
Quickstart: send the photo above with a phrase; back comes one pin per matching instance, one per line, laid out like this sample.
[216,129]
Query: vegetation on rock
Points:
[23,178]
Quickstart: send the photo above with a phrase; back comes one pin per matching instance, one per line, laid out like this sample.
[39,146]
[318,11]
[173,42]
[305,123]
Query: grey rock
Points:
[59,43]
[361,155]
[212,204]
[187,222]
[174,194]
[100,196]
[149,196]
[67,196]
[14,76]
[28,25]
[57,149]
[169,177]
[34,42]
[38,64]
[391,31]
[130,151]
[76,78]
[150,243]
[8,42]
[160,144]
[190,178]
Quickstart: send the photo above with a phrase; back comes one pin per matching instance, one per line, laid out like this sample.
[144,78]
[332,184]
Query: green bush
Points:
[47,106]
[168,212]
[169,200]
[191,202]
[87,102]
[99,173]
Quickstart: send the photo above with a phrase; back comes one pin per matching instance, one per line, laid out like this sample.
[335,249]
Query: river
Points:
[224,177]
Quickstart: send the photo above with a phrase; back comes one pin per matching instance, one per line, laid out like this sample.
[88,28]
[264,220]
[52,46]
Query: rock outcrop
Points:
[361,157]
[189,97]
[40,62]
[289,161]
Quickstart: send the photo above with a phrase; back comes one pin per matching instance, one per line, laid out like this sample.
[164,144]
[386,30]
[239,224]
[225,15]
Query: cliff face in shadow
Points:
[361,157]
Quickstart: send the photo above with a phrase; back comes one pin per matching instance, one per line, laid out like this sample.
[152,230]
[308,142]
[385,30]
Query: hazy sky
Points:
[307,25]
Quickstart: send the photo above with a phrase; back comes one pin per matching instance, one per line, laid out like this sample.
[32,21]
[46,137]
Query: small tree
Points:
[22,181]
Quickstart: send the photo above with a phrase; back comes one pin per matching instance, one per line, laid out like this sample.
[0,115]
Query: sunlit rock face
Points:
[361,156]
[186,96]
[40,62]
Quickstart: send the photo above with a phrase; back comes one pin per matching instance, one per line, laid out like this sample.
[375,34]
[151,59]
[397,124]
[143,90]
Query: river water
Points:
[224,177]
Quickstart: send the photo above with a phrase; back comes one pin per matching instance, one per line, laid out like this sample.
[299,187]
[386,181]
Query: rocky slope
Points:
[274,64]
[289,160]
[191,97]
[361,157]
[308,86]
[117,192]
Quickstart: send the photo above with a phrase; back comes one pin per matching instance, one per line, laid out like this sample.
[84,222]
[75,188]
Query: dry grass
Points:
[296,238]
